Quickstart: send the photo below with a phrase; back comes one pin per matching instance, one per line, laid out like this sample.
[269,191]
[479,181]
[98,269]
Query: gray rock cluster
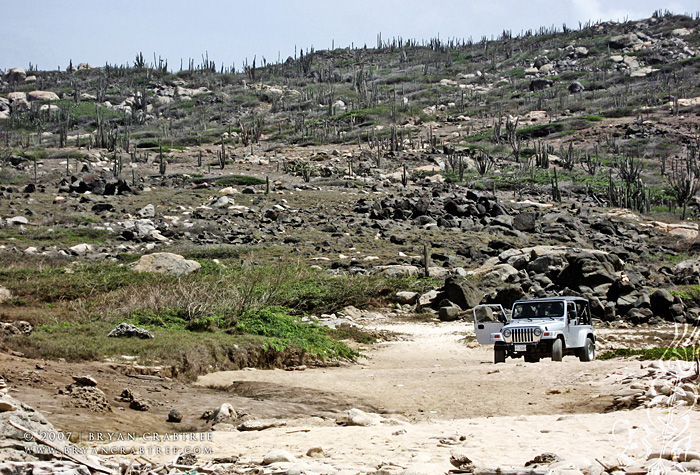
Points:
[665,384]
[127,330]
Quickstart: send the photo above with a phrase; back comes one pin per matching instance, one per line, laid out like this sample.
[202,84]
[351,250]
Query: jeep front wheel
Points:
[587,353]
[499,356]
[557,350]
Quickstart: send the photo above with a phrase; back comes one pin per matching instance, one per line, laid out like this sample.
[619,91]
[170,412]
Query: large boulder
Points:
[540,84]
[42,96]
[525,221]
[589,269]
[461,292]
[15,75]
[624,41]
[661,302]
[166,263]
[15,446]
[687,271]
[127,330]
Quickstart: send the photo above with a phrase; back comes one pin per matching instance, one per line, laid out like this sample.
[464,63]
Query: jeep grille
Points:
[523,335]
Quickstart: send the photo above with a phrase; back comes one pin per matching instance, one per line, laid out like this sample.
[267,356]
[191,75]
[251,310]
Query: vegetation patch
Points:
[691,353]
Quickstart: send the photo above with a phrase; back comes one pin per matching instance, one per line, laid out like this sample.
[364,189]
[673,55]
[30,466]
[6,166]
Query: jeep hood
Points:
[550,323]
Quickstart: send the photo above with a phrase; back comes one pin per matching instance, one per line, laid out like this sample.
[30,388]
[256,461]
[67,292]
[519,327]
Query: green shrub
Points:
[284,330]
[691,353]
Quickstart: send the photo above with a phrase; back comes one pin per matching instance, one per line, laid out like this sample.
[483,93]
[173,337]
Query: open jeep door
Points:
[488,319]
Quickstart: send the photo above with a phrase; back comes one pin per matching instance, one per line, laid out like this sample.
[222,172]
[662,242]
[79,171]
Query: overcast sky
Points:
[49,33]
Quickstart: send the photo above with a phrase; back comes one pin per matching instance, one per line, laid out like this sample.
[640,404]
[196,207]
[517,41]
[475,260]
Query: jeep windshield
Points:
[538,310]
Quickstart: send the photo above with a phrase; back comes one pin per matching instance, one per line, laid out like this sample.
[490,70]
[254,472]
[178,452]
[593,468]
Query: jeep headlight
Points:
[506,333]
[538,331]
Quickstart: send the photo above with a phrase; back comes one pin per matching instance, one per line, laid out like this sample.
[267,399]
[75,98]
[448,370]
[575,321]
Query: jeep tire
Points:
[587,353]
[557,350]
[499,355]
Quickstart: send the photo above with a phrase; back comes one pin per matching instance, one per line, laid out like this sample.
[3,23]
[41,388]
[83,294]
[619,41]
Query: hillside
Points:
[551,162]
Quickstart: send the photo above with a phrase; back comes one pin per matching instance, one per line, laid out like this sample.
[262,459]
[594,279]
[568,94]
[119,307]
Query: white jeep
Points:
[539,328]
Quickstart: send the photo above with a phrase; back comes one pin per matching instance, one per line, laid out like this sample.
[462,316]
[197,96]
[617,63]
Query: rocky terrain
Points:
[159,225]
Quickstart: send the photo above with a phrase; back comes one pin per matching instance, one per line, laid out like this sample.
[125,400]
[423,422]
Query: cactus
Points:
[426,261]
[162,164]
[404,177]
[556,192]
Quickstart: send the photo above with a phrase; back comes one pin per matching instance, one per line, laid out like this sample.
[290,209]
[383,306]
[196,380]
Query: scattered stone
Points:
[87,397]
[85,380]
[254,425]
[174,416]
[166,263]
[315,452]
[139,405]
[127,330]
[223,413]
[147,211]
[357,417]
[461,462]
[546,458]
[43,468]
[277,456]
[19,327]
[406,298]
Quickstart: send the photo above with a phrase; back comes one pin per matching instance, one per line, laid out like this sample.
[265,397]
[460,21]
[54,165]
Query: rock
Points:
[576,87]
[187,459]
[5,294]
[277,456]
[315,452]
[546,458]
[174,416]
[449,313]
[87,397]
[356,417]
[15,75]
[427,298]
[127,330]
[81,249]
[147,211]
[540,84]
[460,291]
[42,96]
[403,298]
[139,405]
[7,406]
[259,425]
[502,272]
[661,302]
[587,268]
[398,270]
[166,263]
[546,264]
[18,220]
[223,413]
[525,221]
[43,468]
[85,380]
[580,51]
[681,32]
[461,461]
[18,327]
[624,41]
